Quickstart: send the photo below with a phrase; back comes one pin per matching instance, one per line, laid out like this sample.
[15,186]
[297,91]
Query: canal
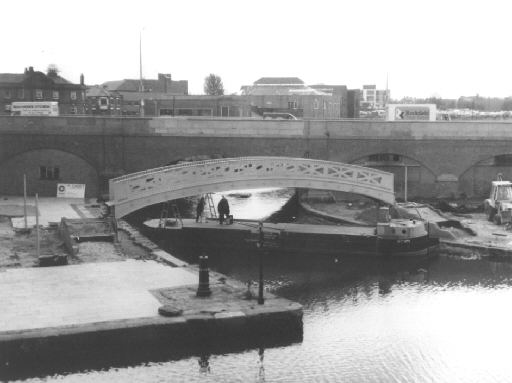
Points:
[365,320]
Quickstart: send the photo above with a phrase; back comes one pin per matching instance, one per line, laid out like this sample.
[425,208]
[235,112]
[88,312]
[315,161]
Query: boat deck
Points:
[244,225]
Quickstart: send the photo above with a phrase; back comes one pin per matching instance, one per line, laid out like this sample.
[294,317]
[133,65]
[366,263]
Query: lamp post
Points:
[261,300]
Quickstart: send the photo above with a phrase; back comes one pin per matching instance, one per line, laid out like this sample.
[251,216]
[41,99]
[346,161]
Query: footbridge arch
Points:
[134,191]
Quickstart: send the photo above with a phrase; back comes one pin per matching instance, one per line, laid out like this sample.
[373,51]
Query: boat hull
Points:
[358,241]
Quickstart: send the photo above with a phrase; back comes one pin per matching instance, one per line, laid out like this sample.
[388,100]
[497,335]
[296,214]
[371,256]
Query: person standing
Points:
[223,209]
[200,209]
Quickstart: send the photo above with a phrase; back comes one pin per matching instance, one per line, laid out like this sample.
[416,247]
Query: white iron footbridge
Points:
[134,191]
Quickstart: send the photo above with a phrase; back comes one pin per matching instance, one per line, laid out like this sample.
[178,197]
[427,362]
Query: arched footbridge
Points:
[134,191]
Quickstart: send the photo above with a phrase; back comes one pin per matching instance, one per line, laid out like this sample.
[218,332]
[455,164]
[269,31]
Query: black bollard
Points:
[203,290]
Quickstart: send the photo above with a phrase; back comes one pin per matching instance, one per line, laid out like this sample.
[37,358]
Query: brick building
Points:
[197,106]
[100,101]
[33,85]
[136,93]
[270,95]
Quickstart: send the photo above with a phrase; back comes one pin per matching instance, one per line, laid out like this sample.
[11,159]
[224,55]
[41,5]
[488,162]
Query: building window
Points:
[39,94]
[21,94]
[184,112]
[7,93]
[503,160]
[165,112]
[49,173]
[316,104]
[103,103]
[55,94]
[385,157]
[73,95]
[224,111]
[292,104]
[205,112]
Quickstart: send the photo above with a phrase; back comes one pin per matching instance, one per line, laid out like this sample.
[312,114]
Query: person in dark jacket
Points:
[223,209]
[200,209]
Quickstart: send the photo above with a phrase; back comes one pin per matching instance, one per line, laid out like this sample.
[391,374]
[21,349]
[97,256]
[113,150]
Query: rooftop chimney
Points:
[81,79]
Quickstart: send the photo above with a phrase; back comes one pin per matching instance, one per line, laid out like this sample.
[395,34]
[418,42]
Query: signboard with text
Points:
[71,190]
[411,112]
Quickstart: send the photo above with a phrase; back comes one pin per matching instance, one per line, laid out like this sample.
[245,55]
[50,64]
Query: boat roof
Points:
[502,183]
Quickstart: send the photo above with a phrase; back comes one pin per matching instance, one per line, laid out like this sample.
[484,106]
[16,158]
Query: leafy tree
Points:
[213,85]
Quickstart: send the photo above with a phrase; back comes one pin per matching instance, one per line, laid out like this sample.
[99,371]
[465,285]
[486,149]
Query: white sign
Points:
[37,108]
[411,112]
[71,190]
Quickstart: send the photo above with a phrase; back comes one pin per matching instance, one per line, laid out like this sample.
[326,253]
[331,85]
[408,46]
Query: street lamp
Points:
[261,300]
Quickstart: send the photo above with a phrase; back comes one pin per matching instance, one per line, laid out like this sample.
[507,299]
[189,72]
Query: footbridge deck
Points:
[134,191]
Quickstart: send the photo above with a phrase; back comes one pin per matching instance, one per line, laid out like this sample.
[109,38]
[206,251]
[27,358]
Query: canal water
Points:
[446,319]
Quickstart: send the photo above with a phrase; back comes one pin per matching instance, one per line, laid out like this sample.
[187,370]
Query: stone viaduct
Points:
[429,159]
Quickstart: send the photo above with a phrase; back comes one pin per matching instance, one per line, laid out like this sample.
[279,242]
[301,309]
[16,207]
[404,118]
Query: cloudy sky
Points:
[443,48]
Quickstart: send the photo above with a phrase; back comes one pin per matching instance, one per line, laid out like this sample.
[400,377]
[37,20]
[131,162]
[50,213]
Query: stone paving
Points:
[51,209]
[33,298]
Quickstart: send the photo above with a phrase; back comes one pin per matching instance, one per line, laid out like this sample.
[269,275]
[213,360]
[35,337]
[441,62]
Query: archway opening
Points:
[476,181]
[44,169]
[412,180]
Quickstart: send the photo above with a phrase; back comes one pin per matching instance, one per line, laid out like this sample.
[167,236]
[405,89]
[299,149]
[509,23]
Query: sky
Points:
[421,48]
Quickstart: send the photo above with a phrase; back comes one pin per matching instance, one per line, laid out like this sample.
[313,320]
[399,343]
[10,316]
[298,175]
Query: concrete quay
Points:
[84,315]
[74,311]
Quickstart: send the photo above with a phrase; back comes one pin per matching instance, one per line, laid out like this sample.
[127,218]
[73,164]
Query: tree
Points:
[213,85]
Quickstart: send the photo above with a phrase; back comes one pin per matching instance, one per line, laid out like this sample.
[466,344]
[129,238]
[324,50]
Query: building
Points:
[135,93]
[353,103]
[372,98]
[290,95]
[33,85]
[198,106]
[100,101]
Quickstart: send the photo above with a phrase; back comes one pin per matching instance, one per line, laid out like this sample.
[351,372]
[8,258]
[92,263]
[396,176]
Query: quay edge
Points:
[133,341]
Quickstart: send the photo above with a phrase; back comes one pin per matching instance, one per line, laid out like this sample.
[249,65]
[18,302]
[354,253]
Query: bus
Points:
[36,108]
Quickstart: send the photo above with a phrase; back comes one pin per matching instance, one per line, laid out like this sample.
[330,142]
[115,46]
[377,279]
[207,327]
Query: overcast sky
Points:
[443,48]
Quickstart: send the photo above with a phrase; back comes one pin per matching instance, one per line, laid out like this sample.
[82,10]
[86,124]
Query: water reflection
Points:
[204,364]
[261,372]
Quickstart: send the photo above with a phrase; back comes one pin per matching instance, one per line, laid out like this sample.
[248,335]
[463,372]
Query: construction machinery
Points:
[498,207]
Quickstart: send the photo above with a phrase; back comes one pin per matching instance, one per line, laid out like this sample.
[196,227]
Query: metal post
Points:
[25,200]
[37,227]
[112,213]
[203,290]
[261,300]
[405,186]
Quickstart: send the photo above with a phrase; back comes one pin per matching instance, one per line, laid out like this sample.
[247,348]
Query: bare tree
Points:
[213,85]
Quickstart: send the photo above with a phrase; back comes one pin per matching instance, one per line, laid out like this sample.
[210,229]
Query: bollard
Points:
[203,290]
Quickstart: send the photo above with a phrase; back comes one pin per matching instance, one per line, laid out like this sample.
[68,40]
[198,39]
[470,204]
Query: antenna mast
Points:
[141,86]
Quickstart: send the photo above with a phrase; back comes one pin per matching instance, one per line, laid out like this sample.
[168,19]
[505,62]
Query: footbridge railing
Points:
[134,191]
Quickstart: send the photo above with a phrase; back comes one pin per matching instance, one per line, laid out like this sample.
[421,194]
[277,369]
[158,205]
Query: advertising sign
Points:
[71,190]
[38,108]
[411,112]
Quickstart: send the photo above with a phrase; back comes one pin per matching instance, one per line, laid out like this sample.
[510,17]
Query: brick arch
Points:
[475,181]
[421,180]
[72,169]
